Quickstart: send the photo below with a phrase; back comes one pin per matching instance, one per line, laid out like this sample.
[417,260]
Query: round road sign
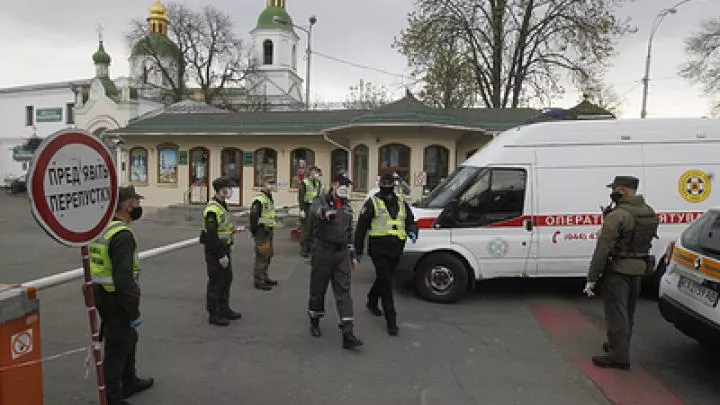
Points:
[73,187]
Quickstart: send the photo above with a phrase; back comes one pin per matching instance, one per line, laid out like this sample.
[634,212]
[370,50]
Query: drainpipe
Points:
[349,154]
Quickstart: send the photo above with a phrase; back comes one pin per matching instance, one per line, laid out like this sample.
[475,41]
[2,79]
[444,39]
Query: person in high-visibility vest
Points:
[217,236]
[388,222]
[262,225]
[115,271]
[402,190]
[308,190]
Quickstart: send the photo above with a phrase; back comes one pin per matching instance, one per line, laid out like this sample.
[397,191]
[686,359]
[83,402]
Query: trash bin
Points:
[20,367]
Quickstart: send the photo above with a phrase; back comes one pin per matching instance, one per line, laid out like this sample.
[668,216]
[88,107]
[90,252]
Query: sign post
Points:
[73,191]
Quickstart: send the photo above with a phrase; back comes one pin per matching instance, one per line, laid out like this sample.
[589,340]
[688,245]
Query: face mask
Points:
[343,192]
[136,213]
[386,190]
[615,196]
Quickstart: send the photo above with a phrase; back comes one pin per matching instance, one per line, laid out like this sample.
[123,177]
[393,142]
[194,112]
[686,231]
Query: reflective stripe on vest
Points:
[101,269]
[311,190]
[225,225]
[268,214]
[382,223]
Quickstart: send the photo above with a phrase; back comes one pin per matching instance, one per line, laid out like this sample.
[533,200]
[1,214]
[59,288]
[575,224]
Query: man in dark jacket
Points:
[217,236]
[389,221]
[115,270]
[332,259]
[622,256]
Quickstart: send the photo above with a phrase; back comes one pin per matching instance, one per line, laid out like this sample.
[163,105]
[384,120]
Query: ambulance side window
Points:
[497,196]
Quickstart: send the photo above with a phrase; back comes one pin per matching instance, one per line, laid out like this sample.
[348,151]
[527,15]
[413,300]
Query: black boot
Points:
[349,340]
[392,327]
[219,320]
[230,314]
[315,327]
[271,282]
[372,306]
[131,388]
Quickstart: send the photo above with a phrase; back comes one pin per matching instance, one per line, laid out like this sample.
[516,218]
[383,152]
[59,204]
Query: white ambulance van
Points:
[529,203]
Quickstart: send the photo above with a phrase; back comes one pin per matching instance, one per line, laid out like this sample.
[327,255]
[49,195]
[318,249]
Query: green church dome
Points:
[266,19]
[101,56]
[156,44]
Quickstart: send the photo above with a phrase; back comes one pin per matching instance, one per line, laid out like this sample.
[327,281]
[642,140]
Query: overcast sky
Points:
[47,40]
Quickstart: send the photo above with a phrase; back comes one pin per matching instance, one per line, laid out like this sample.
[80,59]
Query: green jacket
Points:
[615,236]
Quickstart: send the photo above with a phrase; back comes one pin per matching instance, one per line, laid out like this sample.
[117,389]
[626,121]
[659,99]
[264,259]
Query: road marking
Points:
[580,339]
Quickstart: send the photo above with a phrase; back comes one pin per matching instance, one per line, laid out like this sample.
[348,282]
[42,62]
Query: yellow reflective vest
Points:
[101,268]
[267,214]
[313,188]
[225,225]
[382,223]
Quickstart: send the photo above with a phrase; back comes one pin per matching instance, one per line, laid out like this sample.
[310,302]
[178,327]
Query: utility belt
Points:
[335,246]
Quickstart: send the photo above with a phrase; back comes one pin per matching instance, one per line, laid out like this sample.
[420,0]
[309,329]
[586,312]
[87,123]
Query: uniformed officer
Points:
[310,188]
[332,258]
[217,236]
[388,221]
[622,255]
[262,225]
[115,270]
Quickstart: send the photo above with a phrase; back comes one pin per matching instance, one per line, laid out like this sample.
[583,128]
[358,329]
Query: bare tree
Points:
[366,96]
[703,66]
[517,49]
[204,50]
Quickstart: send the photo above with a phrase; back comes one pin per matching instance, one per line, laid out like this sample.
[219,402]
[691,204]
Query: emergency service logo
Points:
[694,186]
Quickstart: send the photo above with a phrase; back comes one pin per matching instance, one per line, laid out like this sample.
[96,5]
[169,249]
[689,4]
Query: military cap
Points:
[127,193]
[221,182]
[387,178]
[343,179]
[625,181]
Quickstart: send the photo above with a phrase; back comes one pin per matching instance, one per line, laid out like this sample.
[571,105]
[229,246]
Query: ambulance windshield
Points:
[451,188]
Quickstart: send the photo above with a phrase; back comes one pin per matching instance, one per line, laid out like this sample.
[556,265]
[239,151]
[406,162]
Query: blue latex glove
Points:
[413,237]
[136,322]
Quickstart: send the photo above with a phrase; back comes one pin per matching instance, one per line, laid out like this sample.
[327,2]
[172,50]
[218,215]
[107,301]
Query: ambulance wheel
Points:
[441,277]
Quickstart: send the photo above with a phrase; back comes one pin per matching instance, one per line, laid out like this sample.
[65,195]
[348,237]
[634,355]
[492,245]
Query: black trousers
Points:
[620,293]
[330,265]
[120,347]
[218,285]
[382,288]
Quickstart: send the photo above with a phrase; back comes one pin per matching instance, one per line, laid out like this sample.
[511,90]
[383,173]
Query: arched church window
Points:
[268,52]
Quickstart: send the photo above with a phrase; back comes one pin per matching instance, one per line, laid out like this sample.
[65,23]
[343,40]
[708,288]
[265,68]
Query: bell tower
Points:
[275,54]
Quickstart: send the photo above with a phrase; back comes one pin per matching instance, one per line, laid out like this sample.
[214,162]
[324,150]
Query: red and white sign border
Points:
[36,193]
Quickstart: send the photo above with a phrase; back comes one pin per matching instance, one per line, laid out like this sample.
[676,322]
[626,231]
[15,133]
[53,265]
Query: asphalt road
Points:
[509,342]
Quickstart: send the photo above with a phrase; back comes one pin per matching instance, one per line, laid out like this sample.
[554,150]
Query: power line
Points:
[357,65]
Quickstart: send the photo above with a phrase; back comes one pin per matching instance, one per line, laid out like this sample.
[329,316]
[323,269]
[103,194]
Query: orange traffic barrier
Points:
[21,380]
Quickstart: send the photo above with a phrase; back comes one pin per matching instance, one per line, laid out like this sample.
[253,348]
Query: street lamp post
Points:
[646,79]
[308,52]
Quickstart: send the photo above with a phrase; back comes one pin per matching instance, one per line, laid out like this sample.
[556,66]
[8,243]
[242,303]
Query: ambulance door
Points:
[494,221]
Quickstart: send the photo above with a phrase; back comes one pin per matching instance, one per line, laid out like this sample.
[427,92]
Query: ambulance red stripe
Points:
[569,220]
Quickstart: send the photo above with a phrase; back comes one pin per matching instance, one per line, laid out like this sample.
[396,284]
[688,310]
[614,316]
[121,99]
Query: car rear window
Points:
[703,235]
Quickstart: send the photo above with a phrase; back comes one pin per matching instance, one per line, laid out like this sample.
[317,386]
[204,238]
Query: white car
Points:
[690,287]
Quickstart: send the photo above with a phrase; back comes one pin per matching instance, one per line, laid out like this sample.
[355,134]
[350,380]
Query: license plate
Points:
[701,293]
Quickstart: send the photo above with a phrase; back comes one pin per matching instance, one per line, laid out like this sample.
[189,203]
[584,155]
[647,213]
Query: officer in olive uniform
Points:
[217,236]
[310,188]
[332,259]
[115,270]
[390,222]
[622,256]
[262,225]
